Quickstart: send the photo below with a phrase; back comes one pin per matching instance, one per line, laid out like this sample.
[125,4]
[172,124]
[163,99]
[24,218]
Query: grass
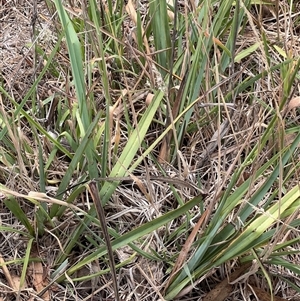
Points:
[149,151]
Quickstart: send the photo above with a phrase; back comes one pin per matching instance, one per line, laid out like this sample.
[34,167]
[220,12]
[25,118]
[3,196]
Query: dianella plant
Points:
[164,154]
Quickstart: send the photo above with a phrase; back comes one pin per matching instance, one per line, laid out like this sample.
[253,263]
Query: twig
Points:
[100,212]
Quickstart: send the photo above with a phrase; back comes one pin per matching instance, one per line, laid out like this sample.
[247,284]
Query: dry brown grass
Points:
[212,151]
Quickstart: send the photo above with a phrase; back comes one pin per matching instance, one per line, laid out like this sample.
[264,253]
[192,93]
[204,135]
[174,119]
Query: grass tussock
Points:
[149,150]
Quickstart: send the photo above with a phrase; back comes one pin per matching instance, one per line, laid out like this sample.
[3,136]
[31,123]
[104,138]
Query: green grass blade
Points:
[137,233]
[18,212]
